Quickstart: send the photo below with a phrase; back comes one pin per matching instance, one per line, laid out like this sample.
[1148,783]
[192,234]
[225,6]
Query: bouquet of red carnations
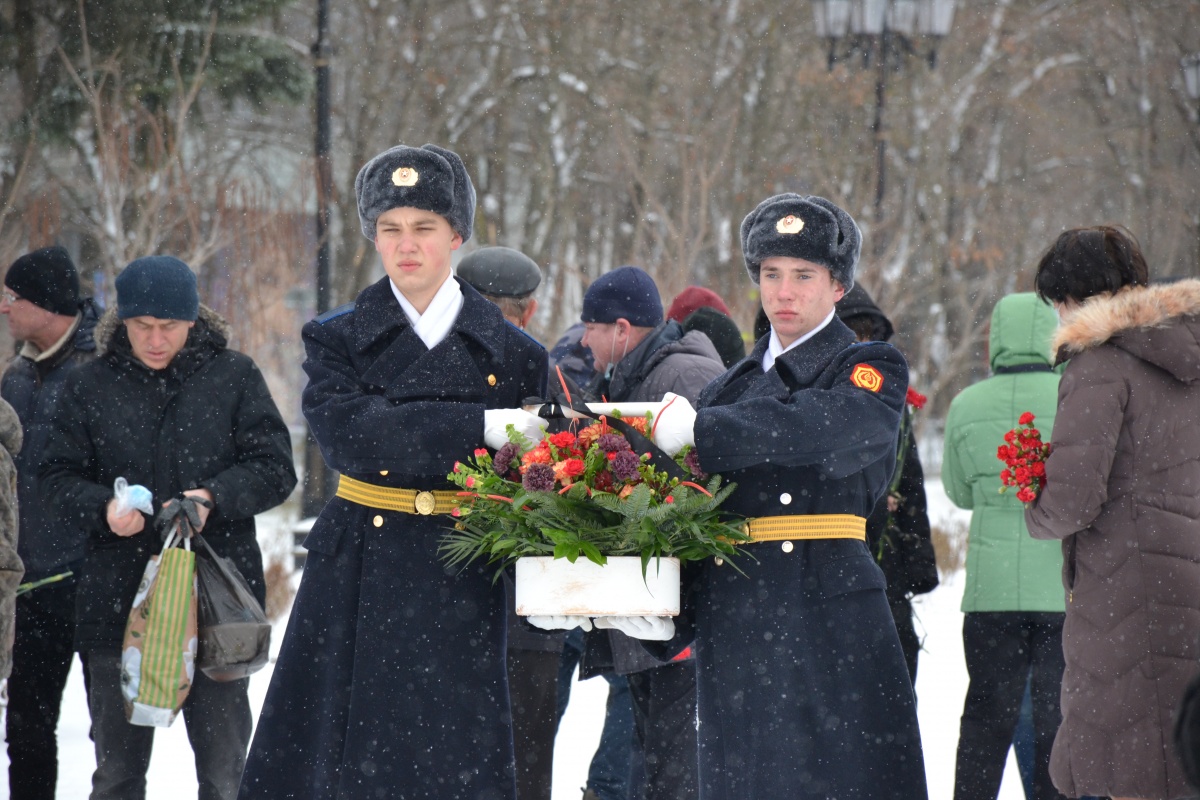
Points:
[1024,455]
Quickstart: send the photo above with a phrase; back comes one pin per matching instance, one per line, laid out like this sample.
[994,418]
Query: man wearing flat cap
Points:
[169,406]
[803,688]
[506,277]
[47,313]
[391,678]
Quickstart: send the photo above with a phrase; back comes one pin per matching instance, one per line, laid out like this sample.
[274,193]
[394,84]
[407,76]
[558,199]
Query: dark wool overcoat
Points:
[1123,494]
[803,689]
[391,679]
[206,421]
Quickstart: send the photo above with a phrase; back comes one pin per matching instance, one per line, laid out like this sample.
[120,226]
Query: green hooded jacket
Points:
[1007,570]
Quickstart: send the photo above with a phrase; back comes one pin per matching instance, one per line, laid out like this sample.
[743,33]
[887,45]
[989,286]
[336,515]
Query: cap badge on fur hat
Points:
[405,176]
[790,224]
[867,377]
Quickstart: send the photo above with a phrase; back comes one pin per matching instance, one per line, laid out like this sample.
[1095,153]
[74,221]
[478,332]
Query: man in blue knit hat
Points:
[168,406]
[640,358]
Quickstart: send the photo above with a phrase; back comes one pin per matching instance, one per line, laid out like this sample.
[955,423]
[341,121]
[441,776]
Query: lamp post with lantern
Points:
[885,31]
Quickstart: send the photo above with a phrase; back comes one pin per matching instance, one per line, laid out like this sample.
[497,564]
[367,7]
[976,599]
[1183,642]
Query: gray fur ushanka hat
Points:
[800,226]
[428,177]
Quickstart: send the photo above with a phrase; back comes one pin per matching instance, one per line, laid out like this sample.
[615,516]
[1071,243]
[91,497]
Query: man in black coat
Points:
[646,358]
[898,532]
[169,406]
[391,679]
[42,304]
[802,686]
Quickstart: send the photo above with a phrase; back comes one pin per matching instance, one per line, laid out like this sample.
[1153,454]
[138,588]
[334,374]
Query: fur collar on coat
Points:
[108,323]
[1160,324]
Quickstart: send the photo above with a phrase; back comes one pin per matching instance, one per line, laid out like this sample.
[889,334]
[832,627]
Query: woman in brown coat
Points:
[1123,494]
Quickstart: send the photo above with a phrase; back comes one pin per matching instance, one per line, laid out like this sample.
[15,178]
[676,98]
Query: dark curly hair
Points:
[1088,261]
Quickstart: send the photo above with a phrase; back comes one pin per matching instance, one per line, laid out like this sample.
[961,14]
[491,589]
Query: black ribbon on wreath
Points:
[563,400]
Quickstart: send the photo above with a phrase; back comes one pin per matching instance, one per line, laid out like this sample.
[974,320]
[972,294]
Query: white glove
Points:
[655,629]
[673,427]
[497,420]
[560,622]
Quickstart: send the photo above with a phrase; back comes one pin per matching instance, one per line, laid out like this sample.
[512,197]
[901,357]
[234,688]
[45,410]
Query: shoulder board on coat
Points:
[334,313]
[524,333]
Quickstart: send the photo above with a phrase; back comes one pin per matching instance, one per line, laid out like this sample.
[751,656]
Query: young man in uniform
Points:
[802,686]
[391,679]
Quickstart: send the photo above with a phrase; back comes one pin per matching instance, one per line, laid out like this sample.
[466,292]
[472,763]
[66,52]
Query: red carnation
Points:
[1025,418]
[564,439]
[915,399]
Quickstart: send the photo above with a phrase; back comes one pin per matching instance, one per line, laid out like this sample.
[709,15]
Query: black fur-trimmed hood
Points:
[208,321]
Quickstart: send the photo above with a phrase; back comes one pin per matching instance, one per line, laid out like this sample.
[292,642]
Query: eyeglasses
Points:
[8,297]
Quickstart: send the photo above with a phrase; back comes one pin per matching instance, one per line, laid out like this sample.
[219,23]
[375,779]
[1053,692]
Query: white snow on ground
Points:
[941,686]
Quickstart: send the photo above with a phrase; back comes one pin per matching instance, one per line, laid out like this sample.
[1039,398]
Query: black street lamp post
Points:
[318,481]
[883,30]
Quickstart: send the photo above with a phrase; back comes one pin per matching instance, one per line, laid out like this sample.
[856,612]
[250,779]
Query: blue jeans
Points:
[613,763]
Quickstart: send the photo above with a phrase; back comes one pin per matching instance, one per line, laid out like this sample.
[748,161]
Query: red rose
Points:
[573,467]
[1025,418]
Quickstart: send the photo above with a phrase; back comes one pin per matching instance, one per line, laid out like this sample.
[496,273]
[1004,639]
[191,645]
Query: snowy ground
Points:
[941,686]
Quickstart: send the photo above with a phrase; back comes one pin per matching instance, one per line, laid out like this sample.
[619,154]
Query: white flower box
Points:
[551,586]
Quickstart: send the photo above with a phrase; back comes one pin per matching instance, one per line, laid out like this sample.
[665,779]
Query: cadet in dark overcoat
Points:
[391,677]
[802,686]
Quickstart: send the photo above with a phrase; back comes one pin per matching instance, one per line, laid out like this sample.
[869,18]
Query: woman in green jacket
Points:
[1013,599]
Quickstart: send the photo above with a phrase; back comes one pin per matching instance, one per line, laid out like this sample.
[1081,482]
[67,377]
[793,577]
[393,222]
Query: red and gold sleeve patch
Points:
[867,377]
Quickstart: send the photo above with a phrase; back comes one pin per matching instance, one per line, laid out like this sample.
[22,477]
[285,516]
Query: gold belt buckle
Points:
[425,503]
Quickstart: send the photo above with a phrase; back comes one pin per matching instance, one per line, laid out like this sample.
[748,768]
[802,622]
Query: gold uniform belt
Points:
[807,526]
[408,501]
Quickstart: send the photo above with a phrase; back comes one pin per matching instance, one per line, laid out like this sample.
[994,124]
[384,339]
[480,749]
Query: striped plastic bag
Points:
[159,654]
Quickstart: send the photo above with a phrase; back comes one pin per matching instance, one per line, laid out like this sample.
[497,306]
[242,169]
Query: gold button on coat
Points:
[491,380]
[383,472]
[378,521]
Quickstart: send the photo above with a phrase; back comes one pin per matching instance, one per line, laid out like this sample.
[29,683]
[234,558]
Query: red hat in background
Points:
[692,298]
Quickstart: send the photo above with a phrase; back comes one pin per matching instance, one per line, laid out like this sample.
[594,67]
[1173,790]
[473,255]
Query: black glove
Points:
[181,511]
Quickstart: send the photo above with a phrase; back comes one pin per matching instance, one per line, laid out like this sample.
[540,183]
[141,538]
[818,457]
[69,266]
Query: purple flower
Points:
[503,460]
[613,443]
[625,466]
[692,462]
[539,478]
